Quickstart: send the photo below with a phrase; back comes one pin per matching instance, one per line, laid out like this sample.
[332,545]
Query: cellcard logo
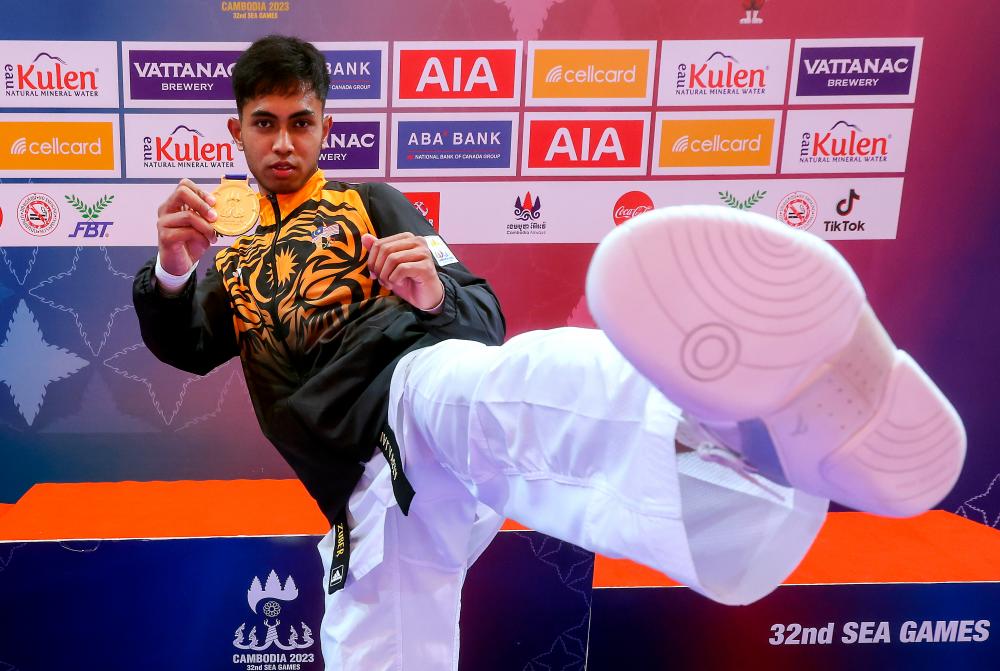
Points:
[727,72]
[714,143]
[428,204]
[598,72]
[586,145]
[355,74]
[846,141]
[57,146]
[352,145]
[488,74]
[867,70]
[59,74]
[462,145]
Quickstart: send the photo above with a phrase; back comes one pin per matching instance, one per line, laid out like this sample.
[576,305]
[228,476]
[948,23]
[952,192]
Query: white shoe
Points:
[736,317]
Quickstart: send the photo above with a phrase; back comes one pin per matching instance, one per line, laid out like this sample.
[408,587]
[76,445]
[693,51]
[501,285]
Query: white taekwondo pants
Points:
[555,430]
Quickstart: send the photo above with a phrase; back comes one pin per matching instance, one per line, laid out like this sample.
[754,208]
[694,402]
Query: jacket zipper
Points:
[273,307]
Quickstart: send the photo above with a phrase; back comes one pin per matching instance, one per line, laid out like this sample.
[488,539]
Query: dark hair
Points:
[279,64]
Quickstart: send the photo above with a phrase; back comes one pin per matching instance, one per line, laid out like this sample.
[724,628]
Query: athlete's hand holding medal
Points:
[191,219]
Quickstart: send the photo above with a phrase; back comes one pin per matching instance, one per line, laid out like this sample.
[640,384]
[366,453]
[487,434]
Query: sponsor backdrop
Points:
[524,130]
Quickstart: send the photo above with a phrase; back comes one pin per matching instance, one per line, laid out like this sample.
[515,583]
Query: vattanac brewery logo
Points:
[720,74]
[527,212]
[185,147]
[278,649]
[89,227]
[48,75]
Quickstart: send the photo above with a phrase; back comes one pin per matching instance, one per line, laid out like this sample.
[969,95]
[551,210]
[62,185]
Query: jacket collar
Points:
[289,201]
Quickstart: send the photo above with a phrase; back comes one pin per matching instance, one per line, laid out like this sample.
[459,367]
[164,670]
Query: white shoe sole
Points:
[734,316]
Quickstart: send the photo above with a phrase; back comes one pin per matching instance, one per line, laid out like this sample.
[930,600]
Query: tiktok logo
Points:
[845,206]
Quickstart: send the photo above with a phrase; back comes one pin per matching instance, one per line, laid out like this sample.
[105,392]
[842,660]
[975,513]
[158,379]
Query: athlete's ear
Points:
[327,124]
[236,130]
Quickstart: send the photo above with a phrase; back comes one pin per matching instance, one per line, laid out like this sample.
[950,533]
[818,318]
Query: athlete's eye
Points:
[262,123]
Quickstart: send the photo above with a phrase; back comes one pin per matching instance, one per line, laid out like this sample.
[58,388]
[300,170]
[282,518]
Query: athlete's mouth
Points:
[282,169]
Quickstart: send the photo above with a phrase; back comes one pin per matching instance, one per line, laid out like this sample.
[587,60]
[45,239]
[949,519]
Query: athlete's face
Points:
[281,135]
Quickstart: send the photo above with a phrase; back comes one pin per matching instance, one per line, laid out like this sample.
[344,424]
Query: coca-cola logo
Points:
[631,204]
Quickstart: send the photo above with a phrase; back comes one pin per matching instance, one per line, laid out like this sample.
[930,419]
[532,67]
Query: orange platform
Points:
[851,547]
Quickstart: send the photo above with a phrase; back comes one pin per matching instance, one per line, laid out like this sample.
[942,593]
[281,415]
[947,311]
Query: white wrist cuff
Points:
[171,284]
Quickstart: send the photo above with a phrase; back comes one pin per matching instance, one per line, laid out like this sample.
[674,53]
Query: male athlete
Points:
[739,381]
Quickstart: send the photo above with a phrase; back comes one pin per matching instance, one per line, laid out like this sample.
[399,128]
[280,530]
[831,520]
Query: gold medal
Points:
[236,204]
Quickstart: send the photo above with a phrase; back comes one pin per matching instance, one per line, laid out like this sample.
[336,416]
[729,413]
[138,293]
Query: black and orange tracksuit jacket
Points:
[318,337]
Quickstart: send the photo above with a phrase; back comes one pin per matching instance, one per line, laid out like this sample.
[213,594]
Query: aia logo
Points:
[587,145]
[185,145]
[528,209]
[631,204]
[487,72]
[428,204]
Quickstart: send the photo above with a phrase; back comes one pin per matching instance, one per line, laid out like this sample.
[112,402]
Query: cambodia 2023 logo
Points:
[278,647]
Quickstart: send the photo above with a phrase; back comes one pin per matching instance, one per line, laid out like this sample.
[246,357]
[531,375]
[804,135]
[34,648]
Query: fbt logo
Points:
[844,142]
[483,74]
[719,74]
[586,144]
[49,75]
[428,204]
[601,73]
[89,228]
[185,146]
[631,204]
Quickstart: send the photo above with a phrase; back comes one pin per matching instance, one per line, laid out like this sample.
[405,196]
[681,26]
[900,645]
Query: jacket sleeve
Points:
[471,310]
[193,330]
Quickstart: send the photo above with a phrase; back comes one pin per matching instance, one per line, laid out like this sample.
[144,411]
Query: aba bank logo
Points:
[352,145]
[454,144]
[840,68]
[467,74]
[89,227]
[186,147]
[428,204]
[617,72]
[527,212]
[277,650]
[580,143]
[355,74]
[176,74]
